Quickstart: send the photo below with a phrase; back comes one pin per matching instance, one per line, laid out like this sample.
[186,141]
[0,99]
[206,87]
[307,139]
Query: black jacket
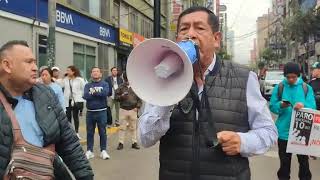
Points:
[109,80]
[315,84]
[127,98]
[56,130]
[186,151]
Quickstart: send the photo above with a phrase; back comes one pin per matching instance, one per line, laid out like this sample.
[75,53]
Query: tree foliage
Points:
[261,64]
[300,25]
[269,55]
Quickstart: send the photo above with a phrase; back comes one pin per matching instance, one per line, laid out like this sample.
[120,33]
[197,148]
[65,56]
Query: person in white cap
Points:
[56,74]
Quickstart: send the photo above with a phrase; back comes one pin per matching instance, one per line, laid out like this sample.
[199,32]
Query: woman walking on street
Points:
[73,86]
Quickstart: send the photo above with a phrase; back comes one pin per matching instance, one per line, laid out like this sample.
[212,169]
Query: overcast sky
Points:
[241,17]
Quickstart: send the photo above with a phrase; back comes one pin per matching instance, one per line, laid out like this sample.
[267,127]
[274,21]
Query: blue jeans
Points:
[96,118]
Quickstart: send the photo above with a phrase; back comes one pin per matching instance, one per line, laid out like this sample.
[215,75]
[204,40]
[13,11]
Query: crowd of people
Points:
[111,97]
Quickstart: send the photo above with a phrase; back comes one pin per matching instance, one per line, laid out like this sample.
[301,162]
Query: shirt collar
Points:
[211,66]
[7,95]
[13,101]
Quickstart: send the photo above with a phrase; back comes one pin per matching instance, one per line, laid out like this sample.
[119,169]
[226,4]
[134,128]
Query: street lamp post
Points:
[156,19]
[51,48]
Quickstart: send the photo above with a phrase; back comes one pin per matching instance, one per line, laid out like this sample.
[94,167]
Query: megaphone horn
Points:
[160,71]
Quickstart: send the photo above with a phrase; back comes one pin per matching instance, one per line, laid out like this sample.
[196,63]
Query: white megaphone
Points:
[160,71]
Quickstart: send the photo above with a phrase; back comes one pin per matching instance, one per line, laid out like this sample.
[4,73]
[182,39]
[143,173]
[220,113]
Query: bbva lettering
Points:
[64,18]
[104,32]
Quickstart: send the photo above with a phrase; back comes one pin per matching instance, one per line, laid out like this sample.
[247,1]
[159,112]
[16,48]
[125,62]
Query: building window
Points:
[124,16]
[84,58]
[94,8]
[134,22]
[116,11]
[90,6]
[42,50]
[142,32]
[79,4]
[148,29]
[105,8]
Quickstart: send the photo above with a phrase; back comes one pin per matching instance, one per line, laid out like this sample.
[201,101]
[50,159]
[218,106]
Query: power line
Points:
[237,14]
[141,10]
[243,36]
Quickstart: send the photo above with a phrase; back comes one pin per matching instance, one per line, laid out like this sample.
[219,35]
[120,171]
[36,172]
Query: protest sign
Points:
[304,133]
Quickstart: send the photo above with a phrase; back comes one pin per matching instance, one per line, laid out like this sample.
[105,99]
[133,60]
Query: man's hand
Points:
[298,106]
[230,142]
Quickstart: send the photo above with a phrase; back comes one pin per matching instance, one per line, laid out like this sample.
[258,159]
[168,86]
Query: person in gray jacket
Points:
[39,114]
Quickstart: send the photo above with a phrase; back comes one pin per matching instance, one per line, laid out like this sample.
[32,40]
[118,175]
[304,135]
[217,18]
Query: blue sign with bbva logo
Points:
[66,18]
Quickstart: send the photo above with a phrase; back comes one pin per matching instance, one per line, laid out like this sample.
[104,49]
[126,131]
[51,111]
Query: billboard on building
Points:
[66,18]
[125,37]
[137,39]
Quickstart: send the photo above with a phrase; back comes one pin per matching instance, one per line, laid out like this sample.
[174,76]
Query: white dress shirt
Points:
[155,121]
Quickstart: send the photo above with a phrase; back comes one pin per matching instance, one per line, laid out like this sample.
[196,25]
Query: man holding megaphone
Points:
[209,133]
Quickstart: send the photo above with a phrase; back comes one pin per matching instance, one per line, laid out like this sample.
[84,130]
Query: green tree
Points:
[261,65]
[300,26]
[268,55]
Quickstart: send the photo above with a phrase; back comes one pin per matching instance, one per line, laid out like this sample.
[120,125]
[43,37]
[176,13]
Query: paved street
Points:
[130,164]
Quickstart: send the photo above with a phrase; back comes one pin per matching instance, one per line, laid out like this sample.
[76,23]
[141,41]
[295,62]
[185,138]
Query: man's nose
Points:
[192,34]
[35,67]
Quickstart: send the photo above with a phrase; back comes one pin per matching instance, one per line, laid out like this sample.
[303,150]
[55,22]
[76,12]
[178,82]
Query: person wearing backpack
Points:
[292,93]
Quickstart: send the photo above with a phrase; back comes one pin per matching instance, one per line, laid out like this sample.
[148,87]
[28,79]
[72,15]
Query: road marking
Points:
[110,131]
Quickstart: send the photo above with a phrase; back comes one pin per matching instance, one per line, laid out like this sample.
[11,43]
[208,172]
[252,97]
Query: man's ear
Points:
[6,65]
[217,39]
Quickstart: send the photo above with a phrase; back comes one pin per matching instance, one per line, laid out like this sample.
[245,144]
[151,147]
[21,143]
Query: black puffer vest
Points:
[184,152]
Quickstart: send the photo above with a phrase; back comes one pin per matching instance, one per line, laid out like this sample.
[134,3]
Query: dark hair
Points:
[9,45]
[96,68]
[75,70]
[113,68]
[213,20]
[49,71]
[291,67]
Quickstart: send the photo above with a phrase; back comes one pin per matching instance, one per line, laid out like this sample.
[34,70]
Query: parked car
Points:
[271,80]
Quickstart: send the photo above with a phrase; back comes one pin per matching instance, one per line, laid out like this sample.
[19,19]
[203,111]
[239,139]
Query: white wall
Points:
[15,30]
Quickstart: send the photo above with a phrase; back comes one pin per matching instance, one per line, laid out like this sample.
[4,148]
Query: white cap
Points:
[42,68]
[55,68]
